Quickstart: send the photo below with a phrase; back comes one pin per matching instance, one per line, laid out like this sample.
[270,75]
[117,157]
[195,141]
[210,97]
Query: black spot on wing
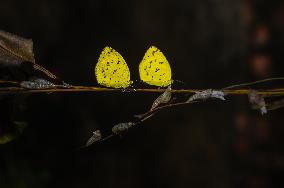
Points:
[153,53]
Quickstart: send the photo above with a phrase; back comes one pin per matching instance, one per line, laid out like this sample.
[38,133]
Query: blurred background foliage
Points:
[209,43]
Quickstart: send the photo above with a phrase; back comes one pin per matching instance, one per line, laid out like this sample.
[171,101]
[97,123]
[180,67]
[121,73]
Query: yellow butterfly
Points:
[154,69]
[112,70]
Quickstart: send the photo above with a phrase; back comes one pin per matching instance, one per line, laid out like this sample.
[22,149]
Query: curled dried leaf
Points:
[163,98]
[96,137]
[122,127]
[37,84]
[206,94]
[257,101]
[64,84]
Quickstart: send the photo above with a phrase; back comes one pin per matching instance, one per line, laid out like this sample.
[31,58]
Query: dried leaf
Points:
[122,127]
[15,49]
[257,101]
[64,84]
[96,137]
[206,94]
[37,84]
[163,98]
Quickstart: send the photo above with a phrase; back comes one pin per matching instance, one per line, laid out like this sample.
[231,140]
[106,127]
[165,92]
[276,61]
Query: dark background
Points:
[209,43]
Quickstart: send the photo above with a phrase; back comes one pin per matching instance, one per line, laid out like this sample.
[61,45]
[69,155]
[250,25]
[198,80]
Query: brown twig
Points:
[17,89]
[61,89]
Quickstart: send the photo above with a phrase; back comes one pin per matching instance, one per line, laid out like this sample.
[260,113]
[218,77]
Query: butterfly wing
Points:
[112,70]
[155,69]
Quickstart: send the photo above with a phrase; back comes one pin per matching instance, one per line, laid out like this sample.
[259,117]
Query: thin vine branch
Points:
[149,114]
[16,88]
[57,89]
[253,83]
[13,90]
[63,89]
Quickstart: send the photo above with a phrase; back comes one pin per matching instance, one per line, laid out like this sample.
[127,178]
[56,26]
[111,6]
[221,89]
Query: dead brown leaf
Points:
[15,50]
